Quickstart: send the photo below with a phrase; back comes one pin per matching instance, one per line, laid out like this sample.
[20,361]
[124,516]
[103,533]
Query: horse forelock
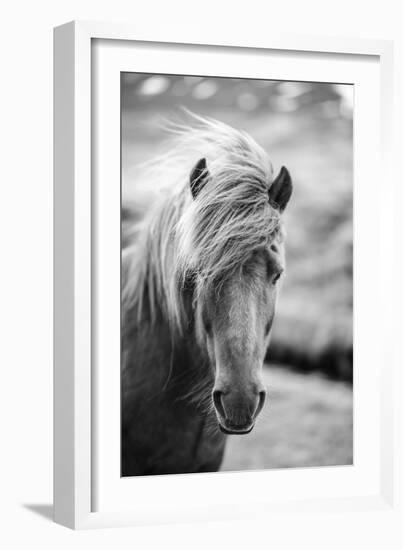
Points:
[212,234]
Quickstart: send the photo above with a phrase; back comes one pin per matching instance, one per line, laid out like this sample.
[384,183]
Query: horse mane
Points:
[213,234]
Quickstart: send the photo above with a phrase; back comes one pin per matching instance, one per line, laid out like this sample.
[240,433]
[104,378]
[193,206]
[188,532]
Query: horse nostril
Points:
[262,399]
[217,400]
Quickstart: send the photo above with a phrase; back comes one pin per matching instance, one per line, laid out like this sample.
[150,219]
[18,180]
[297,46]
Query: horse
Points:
[200,277]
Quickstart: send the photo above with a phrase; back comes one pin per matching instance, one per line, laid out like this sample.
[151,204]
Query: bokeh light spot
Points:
[155,85]
[205,89]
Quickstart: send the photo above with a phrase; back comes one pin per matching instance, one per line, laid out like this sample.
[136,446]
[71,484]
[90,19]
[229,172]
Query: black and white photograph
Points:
[236,274]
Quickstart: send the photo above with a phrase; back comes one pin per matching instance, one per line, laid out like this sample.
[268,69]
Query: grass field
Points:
[308,421]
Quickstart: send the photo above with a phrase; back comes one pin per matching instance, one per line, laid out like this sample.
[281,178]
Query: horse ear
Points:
[280,190]
[198,177]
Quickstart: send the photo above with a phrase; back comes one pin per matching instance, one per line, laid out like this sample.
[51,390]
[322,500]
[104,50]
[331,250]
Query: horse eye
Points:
[207,327]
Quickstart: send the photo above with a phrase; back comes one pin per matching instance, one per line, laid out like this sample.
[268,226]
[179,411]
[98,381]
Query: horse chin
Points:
[233,431]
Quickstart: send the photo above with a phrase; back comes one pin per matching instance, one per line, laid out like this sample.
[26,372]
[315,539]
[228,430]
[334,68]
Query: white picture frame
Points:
[78,475]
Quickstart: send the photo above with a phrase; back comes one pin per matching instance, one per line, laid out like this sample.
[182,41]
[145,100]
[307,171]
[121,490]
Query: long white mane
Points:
[212,234]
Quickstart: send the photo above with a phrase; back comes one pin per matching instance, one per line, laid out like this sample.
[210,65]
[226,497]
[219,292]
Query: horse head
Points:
[238,263]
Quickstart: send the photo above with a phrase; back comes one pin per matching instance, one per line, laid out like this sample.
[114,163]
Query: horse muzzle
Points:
[237,412]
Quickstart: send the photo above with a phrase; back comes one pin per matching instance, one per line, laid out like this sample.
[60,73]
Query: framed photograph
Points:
[221,213]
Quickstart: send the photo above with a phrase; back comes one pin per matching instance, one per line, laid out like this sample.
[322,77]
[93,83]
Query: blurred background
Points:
[309,128]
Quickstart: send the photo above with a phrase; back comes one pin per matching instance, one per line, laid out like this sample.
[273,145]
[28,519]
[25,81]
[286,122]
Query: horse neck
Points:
[168,358]
[161,312]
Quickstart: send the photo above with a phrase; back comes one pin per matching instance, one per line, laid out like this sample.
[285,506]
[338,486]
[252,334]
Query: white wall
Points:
[26,251]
